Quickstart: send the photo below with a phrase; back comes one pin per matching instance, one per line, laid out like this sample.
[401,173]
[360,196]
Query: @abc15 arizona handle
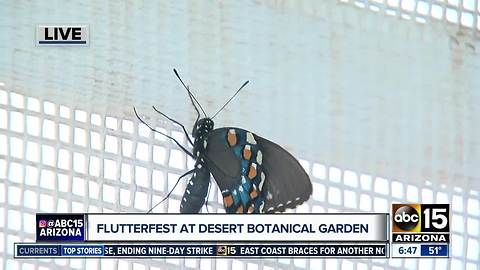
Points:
[420,230]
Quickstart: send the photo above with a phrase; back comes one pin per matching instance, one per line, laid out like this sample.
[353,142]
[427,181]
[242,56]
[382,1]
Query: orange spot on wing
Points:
[252,172]
[250,209]
[240,209]
[231,138]
[253,193]
[228,200]
[247,154]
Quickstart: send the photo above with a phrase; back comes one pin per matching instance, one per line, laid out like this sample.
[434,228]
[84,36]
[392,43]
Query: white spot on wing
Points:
[269,196]
[262,181]
[243,180]
[259,157]
[250,138]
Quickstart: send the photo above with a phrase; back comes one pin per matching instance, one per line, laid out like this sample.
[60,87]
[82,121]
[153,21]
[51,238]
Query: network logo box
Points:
[62,35]
[420,222]
[60,227]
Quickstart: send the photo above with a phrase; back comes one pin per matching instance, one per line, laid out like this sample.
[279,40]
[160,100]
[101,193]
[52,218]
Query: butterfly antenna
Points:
[196,101]
[239,89]
[192,97]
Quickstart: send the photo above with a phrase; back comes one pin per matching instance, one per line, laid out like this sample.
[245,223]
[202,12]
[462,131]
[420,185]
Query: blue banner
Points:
[35,250]
[197,250]
[434,250]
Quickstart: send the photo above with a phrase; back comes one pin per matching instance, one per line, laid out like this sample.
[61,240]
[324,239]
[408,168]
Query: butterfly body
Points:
[197,187]
[196,190]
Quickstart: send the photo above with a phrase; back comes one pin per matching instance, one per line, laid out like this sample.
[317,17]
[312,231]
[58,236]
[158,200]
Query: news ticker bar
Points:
[24,250]
[300,228]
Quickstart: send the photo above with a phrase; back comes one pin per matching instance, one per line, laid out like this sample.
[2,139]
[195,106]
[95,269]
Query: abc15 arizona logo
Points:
[420,218]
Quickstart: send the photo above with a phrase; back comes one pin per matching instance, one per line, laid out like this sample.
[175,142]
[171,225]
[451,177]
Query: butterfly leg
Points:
[168,195]
[208,195]
[170,137]
[176,122]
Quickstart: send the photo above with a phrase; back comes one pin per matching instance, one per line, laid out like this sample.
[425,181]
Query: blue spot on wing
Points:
[247,195]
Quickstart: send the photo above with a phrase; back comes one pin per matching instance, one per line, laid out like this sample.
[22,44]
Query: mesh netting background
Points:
[378,99]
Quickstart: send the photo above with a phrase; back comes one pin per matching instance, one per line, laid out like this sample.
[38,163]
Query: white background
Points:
[379,100]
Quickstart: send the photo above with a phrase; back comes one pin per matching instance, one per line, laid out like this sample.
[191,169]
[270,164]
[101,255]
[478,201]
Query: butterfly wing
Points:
[254,174]
[287,183]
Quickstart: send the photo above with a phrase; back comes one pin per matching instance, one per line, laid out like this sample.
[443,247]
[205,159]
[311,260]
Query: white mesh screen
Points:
[377,98]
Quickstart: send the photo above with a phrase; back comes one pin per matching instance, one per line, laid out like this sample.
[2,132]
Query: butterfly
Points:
[254,174]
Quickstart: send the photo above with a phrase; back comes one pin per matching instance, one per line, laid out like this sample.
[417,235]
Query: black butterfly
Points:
[254,174]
